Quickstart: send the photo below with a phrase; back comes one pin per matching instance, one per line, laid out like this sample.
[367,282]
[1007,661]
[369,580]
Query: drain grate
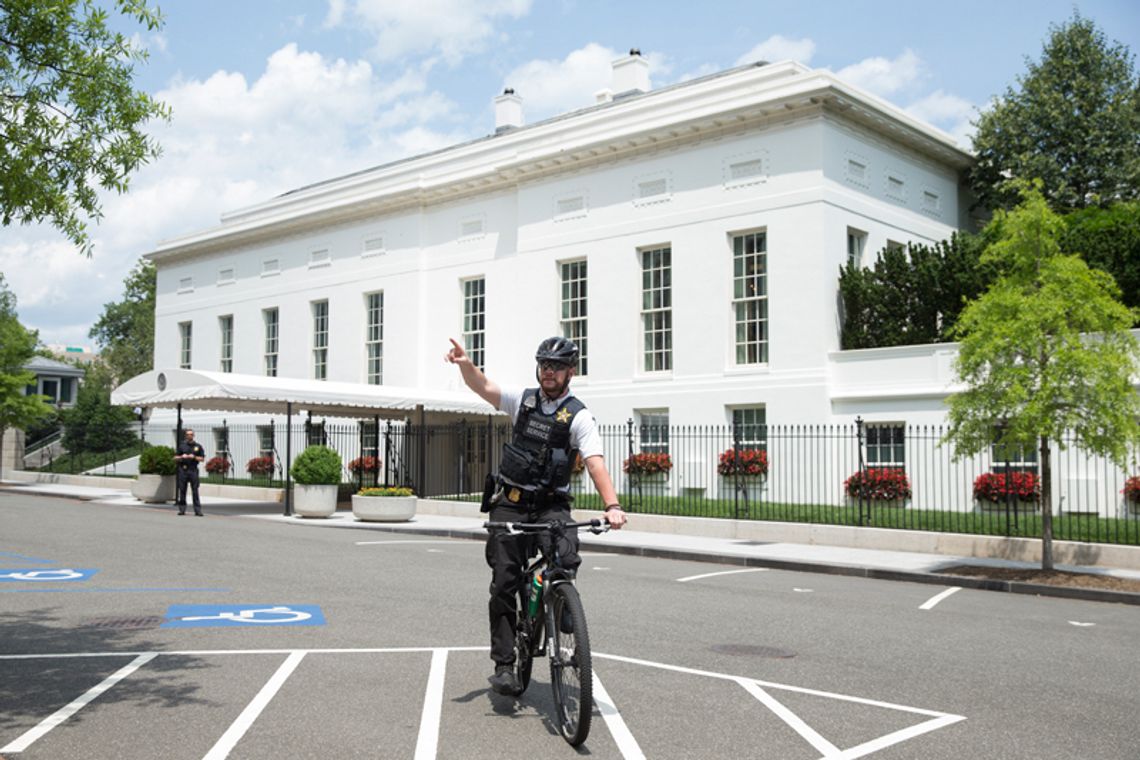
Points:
[751,650]
[124,623]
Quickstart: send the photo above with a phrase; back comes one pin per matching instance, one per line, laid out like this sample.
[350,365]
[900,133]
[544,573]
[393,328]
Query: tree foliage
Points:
[1073,121]
[17,347]
[70,120]
[93,425]
[1044,352]
[125,329]
[911,295]
[1109,239]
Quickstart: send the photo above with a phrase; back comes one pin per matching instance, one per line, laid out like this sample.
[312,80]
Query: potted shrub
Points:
[880,486]
[218,466]
[384,504]
[316,474]
[1131,493]
[992,491]
[260,467]
[156,483]
[743,469]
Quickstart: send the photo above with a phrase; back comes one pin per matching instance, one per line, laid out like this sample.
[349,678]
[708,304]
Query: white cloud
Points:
[947,112]
[779,48]
[884,76]
[453,28]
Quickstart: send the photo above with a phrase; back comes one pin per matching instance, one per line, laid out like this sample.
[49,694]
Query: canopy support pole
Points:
[288,458]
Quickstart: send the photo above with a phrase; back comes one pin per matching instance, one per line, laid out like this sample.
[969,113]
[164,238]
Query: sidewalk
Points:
[917,567]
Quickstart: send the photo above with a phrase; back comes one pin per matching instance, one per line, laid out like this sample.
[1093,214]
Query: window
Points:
[369,439]
[750,296]
[265,439]
[1017,458]
[745,169]
[270,267]
[896,187]
[186,285]
[185,335]
[931,203]
[657,308]
[654,430]
[50,388]
[856,243]
[226,327]
[65,384]
[573,321]
[373,246]
[226,276]
[856,170]
[471,228]
[894,245]
[885,445]
[319,258]
[374,338]
[221,442]
[474,320]
[750,427]
[315,434]
[270,316]
[320,339]
[569,207]
[651,190]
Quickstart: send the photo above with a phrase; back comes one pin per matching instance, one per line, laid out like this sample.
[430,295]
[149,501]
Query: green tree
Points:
[125,329]
[70,120]
[93,425]
[1044,352]
[17,347]
[1109,239]
[1073,122]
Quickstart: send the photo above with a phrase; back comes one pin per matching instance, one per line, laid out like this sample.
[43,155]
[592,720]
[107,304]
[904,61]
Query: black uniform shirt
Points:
[194,448]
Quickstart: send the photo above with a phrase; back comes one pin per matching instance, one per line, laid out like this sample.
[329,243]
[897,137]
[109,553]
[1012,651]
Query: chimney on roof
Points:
[631,74]
[508,111]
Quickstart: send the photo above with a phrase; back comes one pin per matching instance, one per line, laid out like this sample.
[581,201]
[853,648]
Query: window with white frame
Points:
[270,317]
[316,434]
[319,258]
[657,308]
[221,441]
[374,338]
[226,341]
[856,244]
[750,296]
[1016,458]
[475,320]
[653,427]
[320,340]
[185,334]
[886,444]
[750,427]
[265,440]
[573,320]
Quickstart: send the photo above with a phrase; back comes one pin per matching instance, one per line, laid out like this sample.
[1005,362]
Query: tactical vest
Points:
[539,456]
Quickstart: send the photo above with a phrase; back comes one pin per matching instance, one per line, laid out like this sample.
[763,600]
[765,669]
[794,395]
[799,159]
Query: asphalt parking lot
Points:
[223,636]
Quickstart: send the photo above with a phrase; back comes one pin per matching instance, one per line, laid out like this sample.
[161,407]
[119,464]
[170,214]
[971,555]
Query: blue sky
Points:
[267,97]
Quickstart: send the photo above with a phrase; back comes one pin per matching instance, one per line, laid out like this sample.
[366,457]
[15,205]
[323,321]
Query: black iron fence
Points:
[881,476]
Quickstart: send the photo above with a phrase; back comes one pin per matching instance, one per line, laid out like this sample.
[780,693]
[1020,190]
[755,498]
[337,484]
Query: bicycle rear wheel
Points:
[571,668]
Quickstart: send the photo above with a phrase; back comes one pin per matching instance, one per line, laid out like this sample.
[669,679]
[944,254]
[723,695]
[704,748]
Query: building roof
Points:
[41,365]
[228,392]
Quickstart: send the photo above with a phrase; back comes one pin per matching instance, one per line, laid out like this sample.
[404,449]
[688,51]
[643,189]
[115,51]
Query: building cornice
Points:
[742,99]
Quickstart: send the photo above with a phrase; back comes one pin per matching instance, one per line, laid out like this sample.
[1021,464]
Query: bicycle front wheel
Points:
[571,669]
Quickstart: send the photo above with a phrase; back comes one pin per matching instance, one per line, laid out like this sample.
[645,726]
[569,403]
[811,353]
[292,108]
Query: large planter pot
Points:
[383,508]
[154,489]
[314,501]
[1017,506]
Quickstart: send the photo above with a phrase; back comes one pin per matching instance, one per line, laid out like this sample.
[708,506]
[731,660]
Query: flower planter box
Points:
[878,503]
[1134,507]
[154,489]
[383,508]
[1017,505]
[314,501]
[751,487]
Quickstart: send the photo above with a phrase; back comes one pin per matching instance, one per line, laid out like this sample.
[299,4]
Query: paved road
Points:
[696,660]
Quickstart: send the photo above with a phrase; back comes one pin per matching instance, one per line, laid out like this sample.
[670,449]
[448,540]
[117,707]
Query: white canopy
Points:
[227,392]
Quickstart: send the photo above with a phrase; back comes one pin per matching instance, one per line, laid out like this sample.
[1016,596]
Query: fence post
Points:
[226,459]
[629,455]
[737,487]
[862,468]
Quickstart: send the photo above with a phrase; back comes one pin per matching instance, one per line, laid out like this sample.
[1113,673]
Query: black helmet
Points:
[557,349]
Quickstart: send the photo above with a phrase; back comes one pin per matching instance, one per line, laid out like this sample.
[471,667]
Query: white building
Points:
[690,237]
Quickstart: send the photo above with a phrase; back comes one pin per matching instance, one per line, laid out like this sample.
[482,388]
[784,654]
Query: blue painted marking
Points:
[44,575]
[27,559]
[242,615]
[104,590]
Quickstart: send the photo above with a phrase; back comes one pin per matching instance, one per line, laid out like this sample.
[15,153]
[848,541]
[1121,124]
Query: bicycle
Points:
[547,597]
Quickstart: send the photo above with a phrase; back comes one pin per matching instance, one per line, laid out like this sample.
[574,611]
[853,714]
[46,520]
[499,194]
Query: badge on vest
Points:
[563,415]
[514,495]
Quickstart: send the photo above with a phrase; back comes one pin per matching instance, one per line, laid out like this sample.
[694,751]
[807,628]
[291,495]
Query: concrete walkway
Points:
[460,520]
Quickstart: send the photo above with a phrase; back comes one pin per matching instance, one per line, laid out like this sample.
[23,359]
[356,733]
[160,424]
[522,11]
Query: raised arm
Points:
[473,377]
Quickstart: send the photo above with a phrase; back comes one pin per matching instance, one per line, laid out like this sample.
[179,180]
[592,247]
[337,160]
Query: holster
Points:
[489,484]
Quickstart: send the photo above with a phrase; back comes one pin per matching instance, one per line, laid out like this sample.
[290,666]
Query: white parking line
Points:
[627,745]
[65,712]
[238,728]
[929,604]
[723,572]
[410,541]
[796,722]
[428,742]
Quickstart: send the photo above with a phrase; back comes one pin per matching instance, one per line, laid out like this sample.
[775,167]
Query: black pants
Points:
[188,476]
[507,556]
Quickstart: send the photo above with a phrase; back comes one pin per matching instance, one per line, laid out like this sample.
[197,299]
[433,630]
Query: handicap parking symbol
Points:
[42,575]
[245,615]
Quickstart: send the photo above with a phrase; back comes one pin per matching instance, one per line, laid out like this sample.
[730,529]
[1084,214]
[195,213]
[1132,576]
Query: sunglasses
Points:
[552,366]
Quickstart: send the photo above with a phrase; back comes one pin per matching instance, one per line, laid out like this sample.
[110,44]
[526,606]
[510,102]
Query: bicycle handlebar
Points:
[597,527]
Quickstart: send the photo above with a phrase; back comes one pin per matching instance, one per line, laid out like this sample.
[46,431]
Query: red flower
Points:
[992,486]
[218,466]
[648,464]
[883,483]
[1132,489]
[260,466]
[743,462]
[364,464]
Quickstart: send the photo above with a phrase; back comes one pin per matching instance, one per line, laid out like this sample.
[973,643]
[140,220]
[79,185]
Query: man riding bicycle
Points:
[551,428]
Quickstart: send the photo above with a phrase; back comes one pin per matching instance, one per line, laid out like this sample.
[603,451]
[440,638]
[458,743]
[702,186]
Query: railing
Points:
[805,469]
